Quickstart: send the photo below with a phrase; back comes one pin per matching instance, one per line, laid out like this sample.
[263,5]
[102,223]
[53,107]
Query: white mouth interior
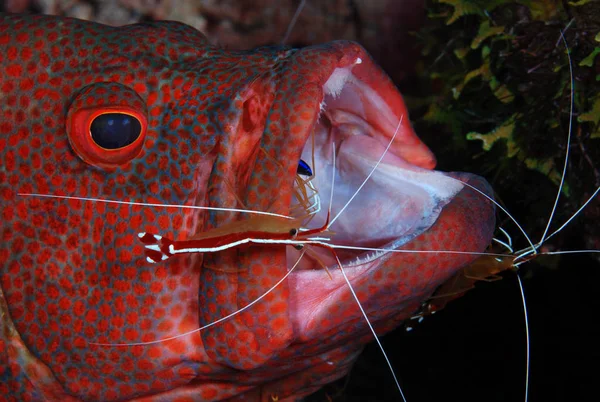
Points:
[397,203]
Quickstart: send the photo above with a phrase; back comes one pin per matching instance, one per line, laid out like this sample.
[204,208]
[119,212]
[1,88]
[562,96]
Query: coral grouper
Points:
[153,113]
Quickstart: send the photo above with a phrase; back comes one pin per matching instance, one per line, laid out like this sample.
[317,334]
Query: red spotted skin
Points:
[73,272]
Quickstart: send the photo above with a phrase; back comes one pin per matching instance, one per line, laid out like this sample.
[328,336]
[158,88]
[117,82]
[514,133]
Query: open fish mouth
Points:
[374,205]
[401,200]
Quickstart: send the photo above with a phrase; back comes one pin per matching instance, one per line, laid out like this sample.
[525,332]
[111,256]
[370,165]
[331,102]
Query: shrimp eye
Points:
[304,169]
[115,130]
[298,246]
[293,232]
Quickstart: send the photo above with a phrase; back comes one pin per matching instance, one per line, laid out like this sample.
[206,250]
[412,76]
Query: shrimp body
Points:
[253,229]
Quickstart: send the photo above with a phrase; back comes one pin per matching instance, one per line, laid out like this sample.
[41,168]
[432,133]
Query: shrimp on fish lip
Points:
[400,202]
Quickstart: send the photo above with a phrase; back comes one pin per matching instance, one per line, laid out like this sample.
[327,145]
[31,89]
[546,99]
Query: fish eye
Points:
[304,169]
[107,124]
[115,130]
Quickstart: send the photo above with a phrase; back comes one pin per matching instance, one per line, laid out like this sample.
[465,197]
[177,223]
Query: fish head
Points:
[153,113]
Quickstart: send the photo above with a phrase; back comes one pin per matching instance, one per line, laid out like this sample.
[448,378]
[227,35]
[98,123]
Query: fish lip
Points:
[314,295]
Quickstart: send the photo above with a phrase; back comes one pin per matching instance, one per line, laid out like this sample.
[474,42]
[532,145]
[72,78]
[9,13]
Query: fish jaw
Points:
[405,205]
[313,84]
[391,288]
[443,214]
[73,272]
[315,313]
[392,285]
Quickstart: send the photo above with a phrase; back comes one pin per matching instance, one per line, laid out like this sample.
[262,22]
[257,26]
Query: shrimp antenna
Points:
[562,37]
[544,238]
[362,310]
[562,179]
[503,210]
[371,328]
[370,174]
[293,22]
[527,337]
[150,204]
[332,183]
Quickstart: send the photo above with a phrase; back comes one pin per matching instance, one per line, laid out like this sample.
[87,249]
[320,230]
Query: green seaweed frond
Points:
[589,60]
[461,8]
[592,116]
[503,132]
[500,74]
[580,3]
[486,31]
[543,10]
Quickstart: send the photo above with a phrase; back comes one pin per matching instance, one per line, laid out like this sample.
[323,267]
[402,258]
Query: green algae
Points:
[498,80]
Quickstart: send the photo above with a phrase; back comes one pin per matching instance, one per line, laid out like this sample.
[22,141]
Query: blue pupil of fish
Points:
[304,169]
[115,130]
